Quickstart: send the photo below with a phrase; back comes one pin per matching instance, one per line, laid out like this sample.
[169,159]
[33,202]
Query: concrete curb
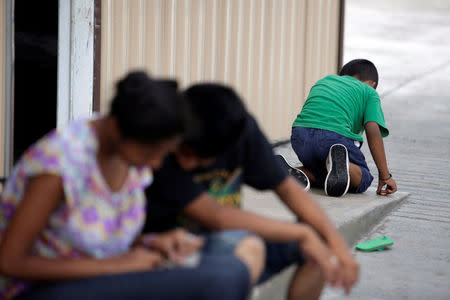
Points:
[354,215]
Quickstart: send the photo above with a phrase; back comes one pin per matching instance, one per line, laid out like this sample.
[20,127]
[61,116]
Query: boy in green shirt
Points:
[326,135]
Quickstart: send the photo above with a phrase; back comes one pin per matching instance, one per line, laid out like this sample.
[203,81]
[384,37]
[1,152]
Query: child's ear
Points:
[371,83]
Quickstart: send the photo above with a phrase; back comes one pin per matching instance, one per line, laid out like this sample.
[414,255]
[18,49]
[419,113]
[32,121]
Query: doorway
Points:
[35,71]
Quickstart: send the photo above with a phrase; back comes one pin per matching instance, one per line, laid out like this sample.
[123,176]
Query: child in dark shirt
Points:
[202,181]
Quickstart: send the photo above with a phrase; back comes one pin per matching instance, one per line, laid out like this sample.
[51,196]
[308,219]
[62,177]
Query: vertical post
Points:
[341,34]
[75,60]
[97,54]
[9,104]
[64,65]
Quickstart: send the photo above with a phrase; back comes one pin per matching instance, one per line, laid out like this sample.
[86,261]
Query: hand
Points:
[315,249]
[176,244]
[348,267]
[391,186]
[140,259]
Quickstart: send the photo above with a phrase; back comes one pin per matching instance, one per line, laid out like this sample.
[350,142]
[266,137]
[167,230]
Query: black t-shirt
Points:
[250,161]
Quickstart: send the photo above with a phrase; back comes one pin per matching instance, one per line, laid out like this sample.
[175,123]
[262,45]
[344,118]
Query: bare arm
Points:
[376,147]
[42,195]
[306,209]
[215,216]
[218,217]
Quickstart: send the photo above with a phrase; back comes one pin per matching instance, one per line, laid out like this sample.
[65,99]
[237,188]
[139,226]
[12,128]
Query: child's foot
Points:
[338,177]
[298,174]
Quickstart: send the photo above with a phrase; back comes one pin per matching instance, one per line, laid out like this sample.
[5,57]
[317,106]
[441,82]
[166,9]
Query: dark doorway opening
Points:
[35,71]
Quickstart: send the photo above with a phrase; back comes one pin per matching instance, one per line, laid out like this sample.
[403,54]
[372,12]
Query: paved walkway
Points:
[410,43]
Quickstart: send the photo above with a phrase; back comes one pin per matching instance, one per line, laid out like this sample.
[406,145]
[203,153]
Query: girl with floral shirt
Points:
[73,208]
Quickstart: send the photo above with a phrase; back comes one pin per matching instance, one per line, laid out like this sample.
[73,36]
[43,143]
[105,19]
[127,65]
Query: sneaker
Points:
[338,177]
[298,174]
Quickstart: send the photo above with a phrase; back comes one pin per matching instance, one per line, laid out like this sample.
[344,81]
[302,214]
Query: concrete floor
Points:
[409,41]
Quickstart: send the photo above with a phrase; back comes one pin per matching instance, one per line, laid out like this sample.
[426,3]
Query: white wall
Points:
[75,59]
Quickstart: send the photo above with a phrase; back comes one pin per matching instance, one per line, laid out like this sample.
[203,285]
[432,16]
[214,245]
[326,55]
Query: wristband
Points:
[389,177]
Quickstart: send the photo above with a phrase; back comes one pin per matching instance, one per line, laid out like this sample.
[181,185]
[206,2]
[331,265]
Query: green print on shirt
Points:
[224,186]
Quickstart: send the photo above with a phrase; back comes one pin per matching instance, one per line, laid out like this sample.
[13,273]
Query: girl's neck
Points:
[108,136]
[113,169]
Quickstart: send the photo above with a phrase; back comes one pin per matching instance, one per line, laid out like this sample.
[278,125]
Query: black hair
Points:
[361,68]
[147,110]
[221,118]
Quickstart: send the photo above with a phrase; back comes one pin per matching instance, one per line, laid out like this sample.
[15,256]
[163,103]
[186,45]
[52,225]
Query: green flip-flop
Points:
[375,244]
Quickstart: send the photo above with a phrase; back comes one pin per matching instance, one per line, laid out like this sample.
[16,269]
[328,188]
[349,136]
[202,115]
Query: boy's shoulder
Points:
[341,79]
[346,81]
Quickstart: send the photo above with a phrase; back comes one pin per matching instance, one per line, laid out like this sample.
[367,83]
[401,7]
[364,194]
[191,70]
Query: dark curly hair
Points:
[148,110]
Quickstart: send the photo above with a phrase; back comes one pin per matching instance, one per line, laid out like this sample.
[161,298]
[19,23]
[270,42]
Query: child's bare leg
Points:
[252,251]
[354,170]
[307,283]
[355,175]
[311,177]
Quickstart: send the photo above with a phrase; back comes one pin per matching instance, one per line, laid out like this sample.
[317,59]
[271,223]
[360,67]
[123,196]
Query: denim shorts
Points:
[312,146]
[279,255]
[223,242]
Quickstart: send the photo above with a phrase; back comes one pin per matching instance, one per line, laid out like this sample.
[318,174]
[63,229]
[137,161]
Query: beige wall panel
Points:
[195,51]
[334,29]
[2,85]
[271,51]
[209,42]
[296,98]
[322,36]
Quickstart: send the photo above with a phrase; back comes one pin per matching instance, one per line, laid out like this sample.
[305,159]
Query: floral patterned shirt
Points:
[92,221]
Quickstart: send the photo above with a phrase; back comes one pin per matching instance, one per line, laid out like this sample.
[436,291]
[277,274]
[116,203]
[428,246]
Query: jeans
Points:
[312,146]
[219,277]
[279,255]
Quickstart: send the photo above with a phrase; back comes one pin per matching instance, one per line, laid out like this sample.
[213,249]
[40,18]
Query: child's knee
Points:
[252,251]
[252,247]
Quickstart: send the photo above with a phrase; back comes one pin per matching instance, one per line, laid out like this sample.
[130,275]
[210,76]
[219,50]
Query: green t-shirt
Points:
[342,104]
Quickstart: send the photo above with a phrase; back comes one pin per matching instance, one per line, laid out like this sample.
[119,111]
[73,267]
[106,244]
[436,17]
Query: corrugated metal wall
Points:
[271,51]
[2,85]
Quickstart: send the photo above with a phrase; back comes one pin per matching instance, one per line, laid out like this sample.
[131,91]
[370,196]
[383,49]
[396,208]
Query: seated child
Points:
[74,205]
[202,180]
[326,135]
